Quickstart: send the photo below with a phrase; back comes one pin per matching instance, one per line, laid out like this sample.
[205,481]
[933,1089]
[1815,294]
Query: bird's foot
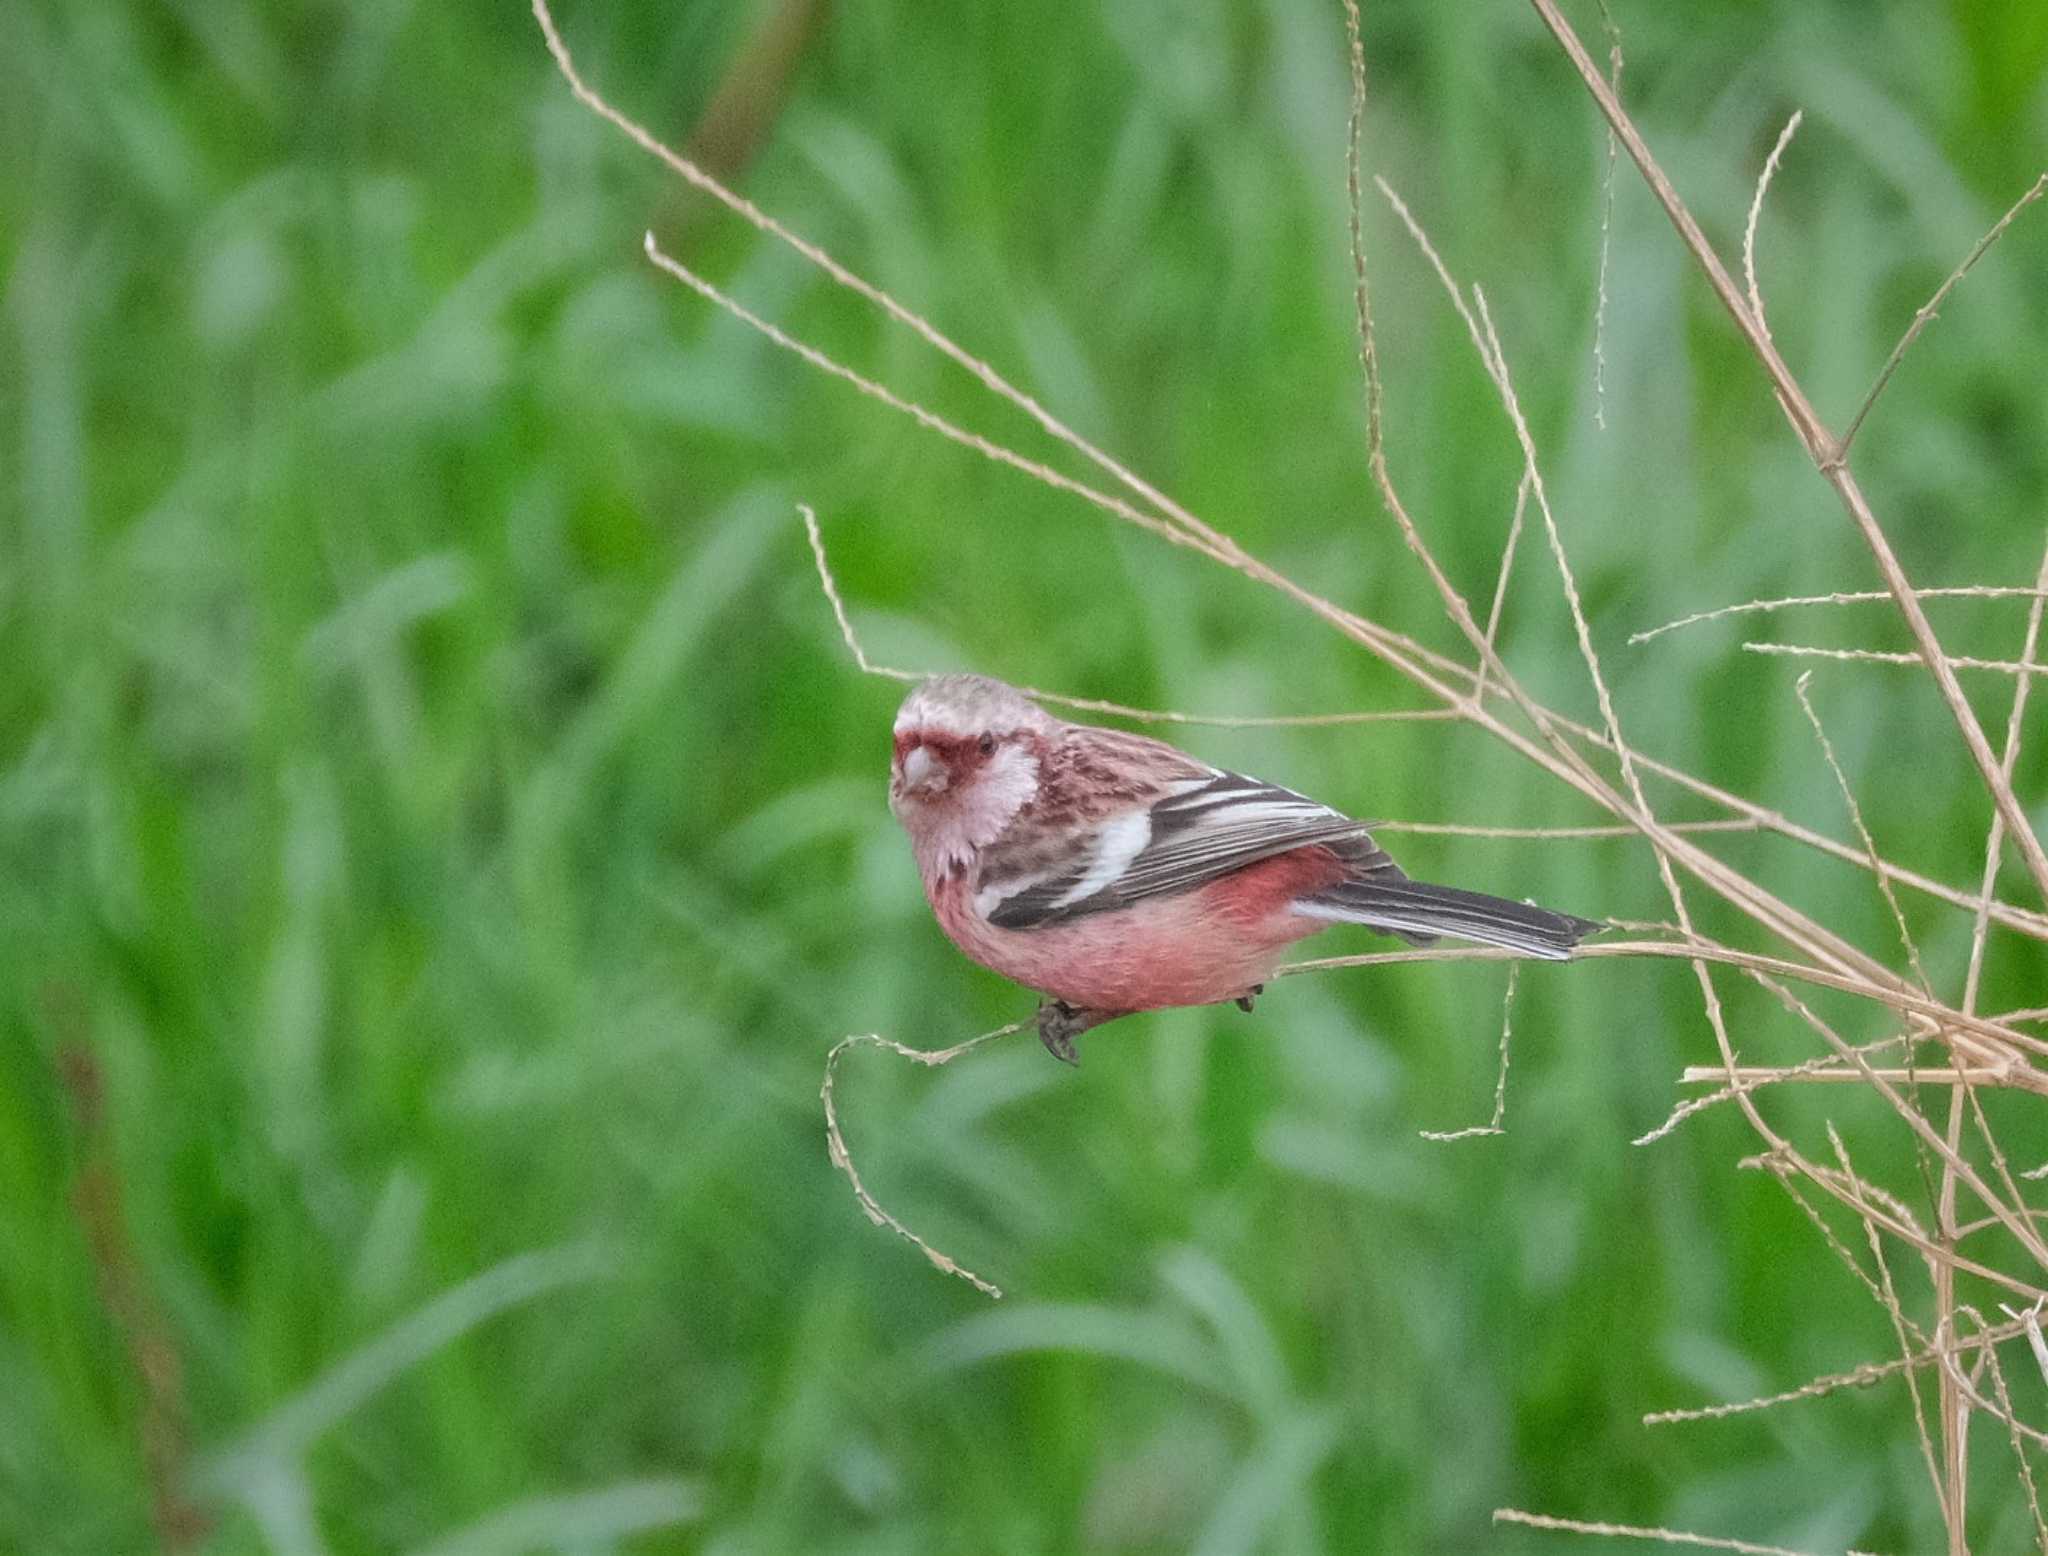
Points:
[1060,1023]
[1244,1001]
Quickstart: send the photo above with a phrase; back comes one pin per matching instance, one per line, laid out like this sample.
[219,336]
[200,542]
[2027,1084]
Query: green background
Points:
[435,801]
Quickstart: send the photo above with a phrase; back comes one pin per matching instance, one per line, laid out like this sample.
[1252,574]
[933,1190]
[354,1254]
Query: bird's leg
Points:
[1060,1023]
[1244,1001]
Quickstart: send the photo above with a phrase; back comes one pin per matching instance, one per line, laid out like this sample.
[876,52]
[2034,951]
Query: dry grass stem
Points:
[1803,690]
[1888,1299]
[1556,834]
[1862,1376]
[1748,1077]
[1614,63]
[1756,211]
[842,1158]
[1927,311]
[1711,1542]
[1854,597]
[1876,656]
[1495,1125]
[2029,1323]
[1989,1037]
[2016,1433]
[1751,1076]
[1500,583]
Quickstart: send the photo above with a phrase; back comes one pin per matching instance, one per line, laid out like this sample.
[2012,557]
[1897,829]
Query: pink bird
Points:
[1115,874]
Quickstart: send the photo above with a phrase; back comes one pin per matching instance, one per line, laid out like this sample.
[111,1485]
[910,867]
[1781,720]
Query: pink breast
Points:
[1192,948]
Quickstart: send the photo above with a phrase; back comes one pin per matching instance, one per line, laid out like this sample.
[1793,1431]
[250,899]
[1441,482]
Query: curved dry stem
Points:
[1756,211]
[1497,1124]
[842,1158]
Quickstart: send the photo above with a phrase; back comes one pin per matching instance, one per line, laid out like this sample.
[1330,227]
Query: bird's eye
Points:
[988,745]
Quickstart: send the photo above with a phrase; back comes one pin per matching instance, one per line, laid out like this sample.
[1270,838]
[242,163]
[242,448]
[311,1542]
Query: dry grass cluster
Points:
[1935,1052]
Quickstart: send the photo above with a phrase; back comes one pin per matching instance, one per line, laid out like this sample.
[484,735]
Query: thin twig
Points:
[1756,211]
[1927,315]
[1946,1496]
[1500,582]
[1853,597]
[1802,689]
[1876,656]
[2015,1431]
[1712,1542]
[1559,834]
[1493,1126]
[842,1158]
[1826,1068]
[1606,230]
[1734,1081]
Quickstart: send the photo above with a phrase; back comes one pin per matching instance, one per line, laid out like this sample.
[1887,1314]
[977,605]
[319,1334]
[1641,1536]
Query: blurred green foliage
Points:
[434,796]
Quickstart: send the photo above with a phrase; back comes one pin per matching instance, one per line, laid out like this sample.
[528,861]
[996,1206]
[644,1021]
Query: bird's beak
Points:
[919,767]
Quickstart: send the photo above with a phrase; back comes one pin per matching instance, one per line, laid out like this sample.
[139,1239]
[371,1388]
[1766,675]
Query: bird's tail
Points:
[1419,912]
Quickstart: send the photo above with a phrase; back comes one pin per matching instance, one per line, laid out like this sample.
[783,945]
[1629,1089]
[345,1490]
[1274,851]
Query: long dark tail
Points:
[1419,912]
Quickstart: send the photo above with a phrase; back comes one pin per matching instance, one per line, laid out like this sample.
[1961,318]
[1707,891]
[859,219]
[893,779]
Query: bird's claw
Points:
[1060,1023]
[1244,1001]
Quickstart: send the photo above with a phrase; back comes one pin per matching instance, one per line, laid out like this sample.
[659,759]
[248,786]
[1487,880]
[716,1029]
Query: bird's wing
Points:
[1201,828]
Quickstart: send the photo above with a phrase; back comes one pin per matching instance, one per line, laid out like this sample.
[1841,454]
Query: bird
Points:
[1113,873]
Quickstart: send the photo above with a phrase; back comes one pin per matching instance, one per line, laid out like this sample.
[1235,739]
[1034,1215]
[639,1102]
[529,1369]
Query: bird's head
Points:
[966,761]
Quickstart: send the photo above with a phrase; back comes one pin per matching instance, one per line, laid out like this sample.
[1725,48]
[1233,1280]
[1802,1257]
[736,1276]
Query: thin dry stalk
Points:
[2015,1433]
[1756,211]
[1606,229]
[1853,597]
[1500,583]
[1711,1542]
[1788,1179]
[1493,1126]
[1927,311]
[1803,690]
[2030,1323]
[1555,834]
[1495,360]
[1888,1299]
[835,1140]
[1878,656]
[1749,1077]
[830,584]
[1862,1376]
